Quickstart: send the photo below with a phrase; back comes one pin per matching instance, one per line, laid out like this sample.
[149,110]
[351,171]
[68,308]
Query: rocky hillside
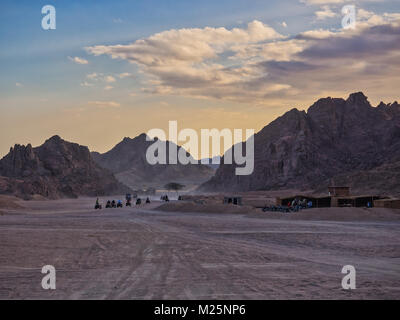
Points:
[127,160]
[339,138]
[55,169]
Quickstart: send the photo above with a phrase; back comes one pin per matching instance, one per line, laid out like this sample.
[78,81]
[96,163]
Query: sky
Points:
[115,69]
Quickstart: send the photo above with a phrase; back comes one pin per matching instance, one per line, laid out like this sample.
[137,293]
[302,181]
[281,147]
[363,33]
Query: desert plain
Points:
[187,251]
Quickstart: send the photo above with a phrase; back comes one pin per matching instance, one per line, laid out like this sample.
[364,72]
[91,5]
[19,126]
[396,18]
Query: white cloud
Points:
[185,60]
[317,34]
[95,77]
[18,84]
[186,45]
[321,2]
[104,104]
[86,84]
[283,50]
[109,79]
[255,63]
[78,60]
[325,13]
[364,14]
[108,87]
[124,75]
[392,16]
[92,76]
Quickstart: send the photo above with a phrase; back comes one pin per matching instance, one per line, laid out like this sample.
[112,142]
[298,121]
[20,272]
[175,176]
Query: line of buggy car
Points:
[279,209]
[295,206]
[119,204]
[284,209]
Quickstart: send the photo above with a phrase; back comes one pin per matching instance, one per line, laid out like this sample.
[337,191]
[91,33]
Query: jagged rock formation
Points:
[127,160]
[55,169]
[334,138]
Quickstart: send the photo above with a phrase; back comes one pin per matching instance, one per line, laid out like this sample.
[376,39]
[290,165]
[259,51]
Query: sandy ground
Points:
[146,253]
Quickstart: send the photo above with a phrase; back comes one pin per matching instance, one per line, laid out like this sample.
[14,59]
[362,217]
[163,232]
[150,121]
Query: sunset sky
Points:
[113,70]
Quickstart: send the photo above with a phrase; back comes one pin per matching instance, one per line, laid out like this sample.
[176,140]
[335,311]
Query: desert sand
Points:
[153,252]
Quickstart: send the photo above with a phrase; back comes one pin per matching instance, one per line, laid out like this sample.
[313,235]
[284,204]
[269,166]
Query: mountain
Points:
[127,160]
[213,162]
[55,169]
[347,139]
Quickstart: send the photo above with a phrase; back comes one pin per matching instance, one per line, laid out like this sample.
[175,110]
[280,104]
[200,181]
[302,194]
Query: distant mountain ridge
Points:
[127,160]
[334,138]
[213,162]
[55,169]
[348,141]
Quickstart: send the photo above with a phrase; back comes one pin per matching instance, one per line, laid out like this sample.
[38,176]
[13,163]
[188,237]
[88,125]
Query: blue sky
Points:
[43,91]
[26,47]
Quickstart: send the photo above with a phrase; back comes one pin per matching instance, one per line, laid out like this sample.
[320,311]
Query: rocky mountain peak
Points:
[56,169]
[382,105]
[55,138]
[325,106]
[127,160]
[358,99]
[20,161]
[335,136]
[126,140]
[395,105]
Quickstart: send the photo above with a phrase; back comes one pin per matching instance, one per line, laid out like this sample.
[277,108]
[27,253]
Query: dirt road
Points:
[143,254]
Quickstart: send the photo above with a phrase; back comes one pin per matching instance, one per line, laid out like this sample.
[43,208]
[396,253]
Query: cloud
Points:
[284,24]
[86,84]
[18,84]
[278,50]
[185,61]
[315,34]
[78,60]
[367,59]
[93,78]
[104,104]
[364,14]
[109,79]
[124,75]
[321,2]
[374,41]
[325,13]
[255,63]
[186,45]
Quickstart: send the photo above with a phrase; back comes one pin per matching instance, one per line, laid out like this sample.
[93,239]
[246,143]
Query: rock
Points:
[55,169]
[127,160]
[303,150]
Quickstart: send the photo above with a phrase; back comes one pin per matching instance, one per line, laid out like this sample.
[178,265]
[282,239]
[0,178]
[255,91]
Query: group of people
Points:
[164,198]
[139,201]
[118,203]
[114,204]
